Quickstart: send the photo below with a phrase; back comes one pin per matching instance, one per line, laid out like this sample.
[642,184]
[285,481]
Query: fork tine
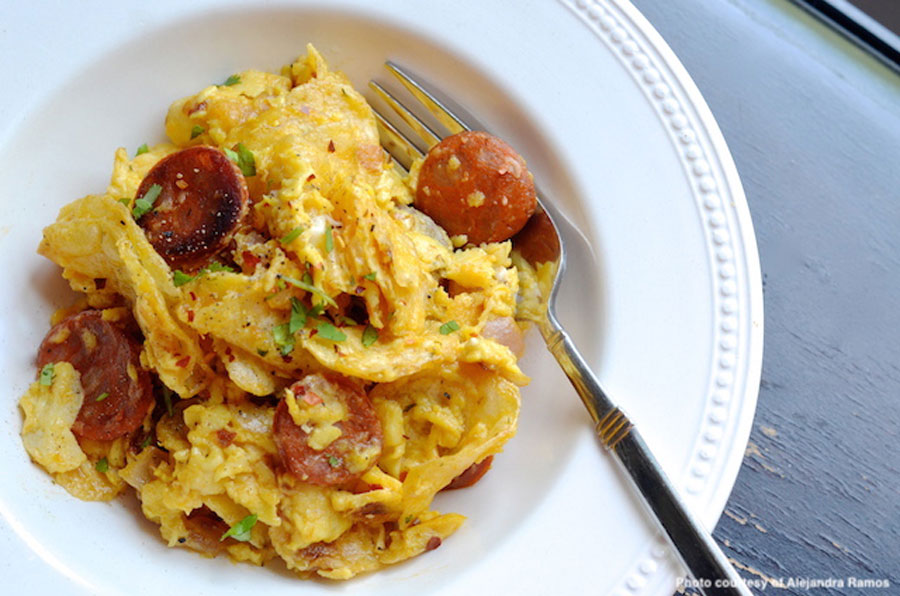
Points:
[425,133]
[401,149]
[443,114]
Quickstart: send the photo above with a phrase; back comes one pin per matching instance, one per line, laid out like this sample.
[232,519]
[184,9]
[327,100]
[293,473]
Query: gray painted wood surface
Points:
[814,126]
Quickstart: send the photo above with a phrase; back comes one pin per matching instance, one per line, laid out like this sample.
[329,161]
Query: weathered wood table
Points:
[814,125]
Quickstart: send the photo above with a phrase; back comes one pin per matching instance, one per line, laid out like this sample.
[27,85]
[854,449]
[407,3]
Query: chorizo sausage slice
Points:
[347,457]
[117,391]
[471,475]
[202,199]
[538,242]
[475,184]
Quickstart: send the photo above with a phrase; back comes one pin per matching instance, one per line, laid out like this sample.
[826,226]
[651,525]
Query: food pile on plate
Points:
[275,346]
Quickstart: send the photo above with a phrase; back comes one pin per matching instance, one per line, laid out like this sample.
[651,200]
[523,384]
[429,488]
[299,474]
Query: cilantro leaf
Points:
[329,331]
[141,150]
[125,201]
[369,336]
[334,462]
[292,235]
[241,530]
[370,276]
[47,375]
[298,316]
[179,278]
[144,204]
[244,159]
[167,398]
[102,396]
[232,80]
[449,327]
[215,267]
[311,289]
[283,338]
[329,239]
[197,131]
[102,465]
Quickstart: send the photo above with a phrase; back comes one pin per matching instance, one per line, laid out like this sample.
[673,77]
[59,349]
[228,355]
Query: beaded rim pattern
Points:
[734,369]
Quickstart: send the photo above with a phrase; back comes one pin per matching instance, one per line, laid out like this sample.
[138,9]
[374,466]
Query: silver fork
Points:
[692,542]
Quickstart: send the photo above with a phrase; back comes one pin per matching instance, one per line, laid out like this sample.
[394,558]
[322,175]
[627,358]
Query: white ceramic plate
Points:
[663,289]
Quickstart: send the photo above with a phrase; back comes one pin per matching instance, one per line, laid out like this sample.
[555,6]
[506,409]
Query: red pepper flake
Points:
[311,177]
[190,315]
[250,261]
[433,543]
[403,475]
[225,437]
[197,108]
[330,146]
[193,296]
[287,357]
[312,399]
[313,332]
[183,362]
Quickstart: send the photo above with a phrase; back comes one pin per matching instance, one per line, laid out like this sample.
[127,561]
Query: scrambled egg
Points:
[329,210]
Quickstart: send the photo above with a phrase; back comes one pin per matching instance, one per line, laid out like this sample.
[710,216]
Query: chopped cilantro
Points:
[47,375]
[329,331]
[292,235]
[102,396]
[298,316]
[102,465]
[334,462]
[144,204]
[370,276]
[307,278]
[329,239]
[283,338]
[262,352]
[232,80]
[141,150]
[241,530]
[449,327]
[125,201]
[244,159]
[215,267]
[197,131]
[179,278]
[316,310]
[369,336]
[167,397]
[310,288]
[146,442]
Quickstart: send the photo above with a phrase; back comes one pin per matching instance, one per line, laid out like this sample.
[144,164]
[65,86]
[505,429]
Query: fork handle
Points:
[692,542]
